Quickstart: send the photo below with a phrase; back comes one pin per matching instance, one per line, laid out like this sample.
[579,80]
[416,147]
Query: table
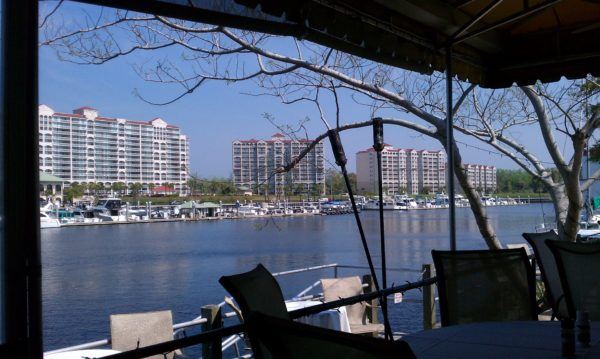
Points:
[336,319]
[498,340]
[79,354]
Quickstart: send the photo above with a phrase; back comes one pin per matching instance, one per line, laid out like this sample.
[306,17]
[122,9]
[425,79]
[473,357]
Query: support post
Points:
[212,313]
[20,273]
[372,312]
[428,299]
[450,149]
[378,146]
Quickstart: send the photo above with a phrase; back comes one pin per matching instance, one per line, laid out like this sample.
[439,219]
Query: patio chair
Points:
[257,291]
[291,340]
[483,285]
[548,270]
[337,288]
[136,330]
[578,266]
[526,247]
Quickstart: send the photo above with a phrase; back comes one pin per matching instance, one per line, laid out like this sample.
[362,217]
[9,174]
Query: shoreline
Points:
[163,220]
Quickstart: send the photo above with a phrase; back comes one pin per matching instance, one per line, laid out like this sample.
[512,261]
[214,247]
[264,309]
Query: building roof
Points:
[275,138]
[207,205]
[389,148]
[162,189]
[47,178]
[108,119]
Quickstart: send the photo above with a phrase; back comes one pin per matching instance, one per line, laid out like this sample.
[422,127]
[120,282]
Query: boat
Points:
[441,200]
[82,215]
[405,202]
[48,221]
[388,205]
[108,209]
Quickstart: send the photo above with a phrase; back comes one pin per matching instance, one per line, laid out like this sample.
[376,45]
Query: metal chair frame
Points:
[441,278]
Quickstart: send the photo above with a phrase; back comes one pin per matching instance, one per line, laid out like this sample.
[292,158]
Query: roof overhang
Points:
[495,43]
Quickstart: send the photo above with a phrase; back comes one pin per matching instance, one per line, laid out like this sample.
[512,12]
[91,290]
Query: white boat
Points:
[247,210]
[388,205]
[108,209]
[405,202]
[441,200]
[488,201]
[48,221]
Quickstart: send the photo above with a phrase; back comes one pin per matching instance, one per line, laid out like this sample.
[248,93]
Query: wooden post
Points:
[428,299]
[372,312]
[212,313]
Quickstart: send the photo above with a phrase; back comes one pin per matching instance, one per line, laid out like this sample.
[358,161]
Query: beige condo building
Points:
[85,147]
[403,170]
[254,163]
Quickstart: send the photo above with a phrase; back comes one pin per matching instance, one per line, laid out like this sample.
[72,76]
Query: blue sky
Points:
[216,114]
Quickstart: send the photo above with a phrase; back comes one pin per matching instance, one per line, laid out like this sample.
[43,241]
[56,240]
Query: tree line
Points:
[76,190]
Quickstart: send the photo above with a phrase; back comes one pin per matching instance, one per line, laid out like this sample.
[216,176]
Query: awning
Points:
[47,178]
[495,43]
[207,205]
[187,205]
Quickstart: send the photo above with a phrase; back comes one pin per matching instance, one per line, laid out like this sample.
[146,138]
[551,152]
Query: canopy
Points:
[47,178]
[207,205]
[495,43]
[187,205]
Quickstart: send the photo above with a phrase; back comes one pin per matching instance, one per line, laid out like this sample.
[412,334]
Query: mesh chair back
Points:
[337,288]
[136,330]
[547,264]
[292,340]
[479,286]
[257,291]
[578,267]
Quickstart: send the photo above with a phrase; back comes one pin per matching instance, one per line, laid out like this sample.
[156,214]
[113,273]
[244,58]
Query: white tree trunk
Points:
[479,212]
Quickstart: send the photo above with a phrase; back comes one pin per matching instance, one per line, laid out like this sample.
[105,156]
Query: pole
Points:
[340,160]
[588,200]
[450,149]
[378,146]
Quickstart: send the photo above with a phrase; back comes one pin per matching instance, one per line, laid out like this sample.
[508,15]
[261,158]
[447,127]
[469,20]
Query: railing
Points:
[210,336]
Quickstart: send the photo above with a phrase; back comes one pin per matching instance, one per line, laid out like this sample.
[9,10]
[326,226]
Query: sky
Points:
[216,114]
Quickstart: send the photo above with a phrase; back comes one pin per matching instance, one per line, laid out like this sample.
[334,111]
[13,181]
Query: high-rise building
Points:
[482,177]
[255,162]
[84,147]
[414,171]
[403,170]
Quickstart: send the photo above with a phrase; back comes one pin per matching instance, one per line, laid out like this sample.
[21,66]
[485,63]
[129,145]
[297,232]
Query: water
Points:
[91,272]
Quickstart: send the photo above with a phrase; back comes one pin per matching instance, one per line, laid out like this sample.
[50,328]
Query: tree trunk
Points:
[560,202]
[575,199]
[486,230]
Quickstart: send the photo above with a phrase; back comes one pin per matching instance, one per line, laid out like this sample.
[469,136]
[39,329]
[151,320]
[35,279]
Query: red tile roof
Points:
[108,119]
